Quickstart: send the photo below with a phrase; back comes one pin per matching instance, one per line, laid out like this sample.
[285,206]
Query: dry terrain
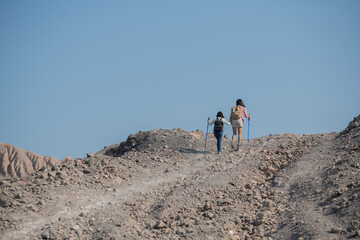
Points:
[160,185]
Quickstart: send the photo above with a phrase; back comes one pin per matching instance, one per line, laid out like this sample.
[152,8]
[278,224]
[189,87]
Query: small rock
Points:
[194,135]
[41,203]
[66,159]
[159,225]
[45,235]
[271,169]
[78,162]
[248,186]
[76,227]
[336,209]
[42,169]
[90,154]
[207,206]
[260,218]
[335,230]
[208,215]
[268,204]
[180,232]
[32,208]
[4,202]
[19,195]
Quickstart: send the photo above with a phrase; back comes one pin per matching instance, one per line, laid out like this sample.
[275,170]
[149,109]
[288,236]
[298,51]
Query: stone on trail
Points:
[159,225]
[32,208]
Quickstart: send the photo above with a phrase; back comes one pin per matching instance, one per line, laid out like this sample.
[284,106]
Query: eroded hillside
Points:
[16,162]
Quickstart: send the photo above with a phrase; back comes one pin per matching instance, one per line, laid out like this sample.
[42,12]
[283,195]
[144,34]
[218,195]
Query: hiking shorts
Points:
[237,123]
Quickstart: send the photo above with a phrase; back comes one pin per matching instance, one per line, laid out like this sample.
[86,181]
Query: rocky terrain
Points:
[160,185]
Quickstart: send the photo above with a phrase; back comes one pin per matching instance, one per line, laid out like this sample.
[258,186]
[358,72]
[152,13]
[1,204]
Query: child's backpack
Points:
[236,112]
[219,125]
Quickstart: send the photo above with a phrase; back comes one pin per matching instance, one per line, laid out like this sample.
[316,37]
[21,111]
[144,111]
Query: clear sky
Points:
[76,76]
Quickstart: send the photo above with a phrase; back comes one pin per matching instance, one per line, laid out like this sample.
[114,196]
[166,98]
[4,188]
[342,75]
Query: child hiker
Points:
[237,120]
[219,129]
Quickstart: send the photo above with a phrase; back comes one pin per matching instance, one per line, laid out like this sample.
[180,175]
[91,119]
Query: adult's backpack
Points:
[219,125]
[236,113]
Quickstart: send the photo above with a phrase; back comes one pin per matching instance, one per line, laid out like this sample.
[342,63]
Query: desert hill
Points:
[16,162]
[160,185]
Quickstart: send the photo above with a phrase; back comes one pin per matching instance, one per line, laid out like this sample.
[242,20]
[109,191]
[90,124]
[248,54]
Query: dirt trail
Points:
[89,200]
[298,181]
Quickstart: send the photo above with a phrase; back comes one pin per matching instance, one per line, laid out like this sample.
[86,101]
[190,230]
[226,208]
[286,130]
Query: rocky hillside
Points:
[160,185]
[157,140]
[16,162]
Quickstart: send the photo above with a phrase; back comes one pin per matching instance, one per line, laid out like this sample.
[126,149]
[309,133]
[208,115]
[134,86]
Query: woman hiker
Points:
[219,129]
[237,120]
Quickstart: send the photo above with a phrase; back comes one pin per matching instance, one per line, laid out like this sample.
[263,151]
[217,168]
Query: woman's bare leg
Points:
[239,137]
[234,135]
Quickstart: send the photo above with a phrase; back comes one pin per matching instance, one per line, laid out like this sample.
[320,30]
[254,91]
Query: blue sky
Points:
[78,75]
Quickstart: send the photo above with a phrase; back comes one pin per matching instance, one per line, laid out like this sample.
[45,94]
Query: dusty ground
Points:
[160,185]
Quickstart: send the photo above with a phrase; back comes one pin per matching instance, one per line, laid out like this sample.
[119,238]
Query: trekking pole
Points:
[248,131]
[207,129]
